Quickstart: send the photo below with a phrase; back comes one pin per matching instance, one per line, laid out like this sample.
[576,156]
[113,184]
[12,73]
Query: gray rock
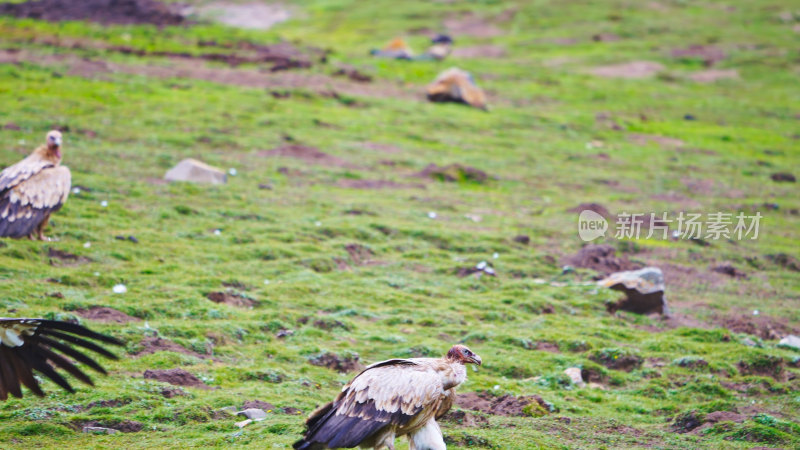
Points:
[196,172]
[790,341]
[229,409]
[254,414]
[574,374]
[643,288]
[99,430]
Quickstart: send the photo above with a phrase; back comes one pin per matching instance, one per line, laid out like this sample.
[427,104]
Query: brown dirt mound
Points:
[126,426]
[471,25]
[308,154]
[176,377]
[453,172]
[783,177]
[504,405]
[763,326]
[479,51]
[62,258]
[465,419]
[596,207]
[625,362]
[108,403]
[266,406]
[107,12]
[729,270]
[635,69]
[360,254]
[333,361]
[600,258]
[231,299]
[105,314]
[376,184]
[353,74]
[695,422]
[708,53]
[152,345]
[785,261]
[645,139]
[172,392]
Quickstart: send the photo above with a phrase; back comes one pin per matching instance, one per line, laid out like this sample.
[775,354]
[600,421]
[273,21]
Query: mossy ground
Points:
[286,247]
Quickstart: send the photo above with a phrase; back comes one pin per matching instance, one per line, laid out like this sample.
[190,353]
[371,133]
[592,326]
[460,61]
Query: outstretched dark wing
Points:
[25,205]
[28,345]
[387,393]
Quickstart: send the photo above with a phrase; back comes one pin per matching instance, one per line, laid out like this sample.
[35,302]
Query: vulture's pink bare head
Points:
[462,354]
[54,142]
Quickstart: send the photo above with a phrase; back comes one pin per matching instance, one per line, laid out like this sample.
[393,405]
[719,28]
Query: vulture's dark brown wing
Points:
[388,393]
[44,346]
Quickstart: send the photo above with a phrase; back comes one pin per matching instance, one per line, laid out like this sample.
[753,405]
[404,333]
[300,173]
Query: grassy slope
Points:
[533,140]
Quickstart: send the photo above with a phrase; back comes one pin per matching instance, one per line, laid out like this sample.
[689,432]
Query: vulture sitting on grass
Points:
[31,344]
[388,399]
[32,189]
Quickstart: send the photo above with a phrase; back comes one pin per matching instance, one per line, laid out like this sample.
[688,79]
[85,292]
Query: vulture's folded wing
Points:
[388,393]
[28,345]
[24,206]
[21,171]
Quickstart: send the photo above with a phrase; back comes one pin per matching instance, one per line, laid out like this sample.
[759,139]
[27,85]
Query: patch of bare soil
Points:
[107,404]
[106,315]
[547,346]
[308,154]
[709,54]
[701,186]
[107,12]
[625,362]
[470,24]
[176,377]
[601,258]
[172,392]
[634,69]
[376,184]
[452,173]
[353,74]
[728,269]
[681,201]
[783,177]
[763,326]
[178,67]
[62,258]
[768,366]
[786,261]
[266,406]
[154,344]
[231,299]
[505,405]
[712,75]
[334,362]
[359,254]
[646,139]
[596,207]
[251,16]
[487,51]
[465,419]
[125,426]
[696,422]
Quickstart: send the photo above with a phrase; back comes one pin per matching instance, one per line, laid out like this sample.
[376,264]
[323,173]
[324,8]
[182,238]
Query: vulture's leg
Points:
[40,229]
[428,437]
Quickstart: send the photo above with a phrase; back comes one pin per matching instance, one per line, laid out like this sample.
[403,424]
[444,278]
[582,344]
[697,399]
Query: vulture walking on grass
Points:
[28,345]
[388,399]
[32,189]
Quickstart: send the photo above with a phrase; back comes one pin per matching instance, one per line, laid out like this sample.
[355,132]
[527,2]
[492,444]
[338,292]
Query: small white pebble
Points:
[495,255]
[87,244]
[589,146]
[21,142]
[104,203]
[318,223]
[481,265]
[119,289]
[496,387]
[76,190]
[232,171]
[97,274]
[539,281]
[676,234]
[266,281]
[217,232]
[432,215]
[755,312]
[489,270]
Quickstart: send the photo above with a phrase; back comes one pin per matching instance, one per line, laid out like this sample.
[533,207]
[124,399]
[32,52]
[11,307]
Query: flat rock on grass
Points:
[106,315]
[176,377]
[644,291]
[195,171]
[634,69]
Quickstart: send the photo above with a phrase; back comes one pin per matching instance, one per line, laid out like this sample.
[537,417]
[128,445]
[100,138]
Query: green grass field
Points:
[368,271]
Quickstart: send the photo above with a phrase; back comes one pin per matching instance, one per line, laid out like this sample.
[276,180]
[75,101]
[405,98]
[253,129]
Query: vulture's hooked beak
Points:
[475,359]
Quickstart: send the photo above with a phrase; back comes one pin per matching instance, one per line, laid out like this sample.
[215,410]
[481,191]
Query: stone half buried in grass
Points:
[195,171]
[643,288]
[458,86]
